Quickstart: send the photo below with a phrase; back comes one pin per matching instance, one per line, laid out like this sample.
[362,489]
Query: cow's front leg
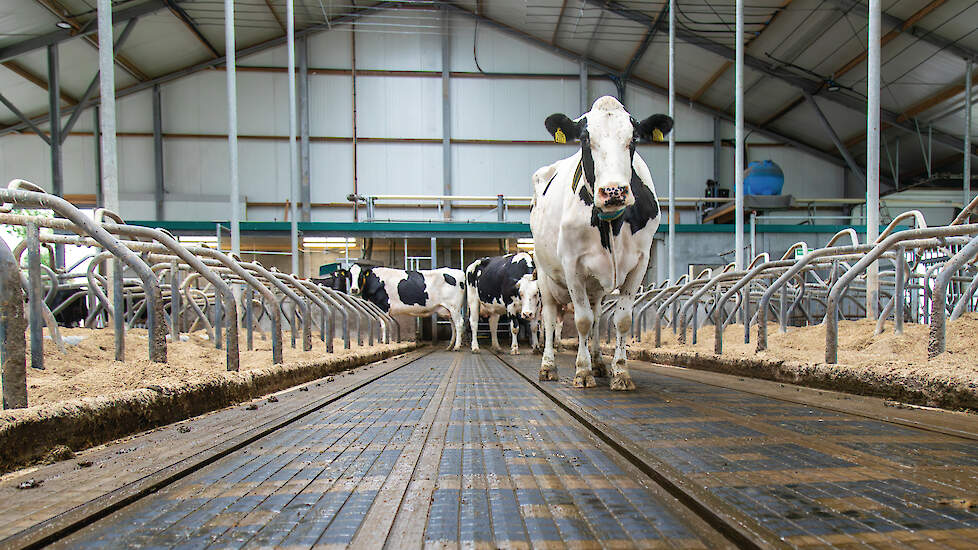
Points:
[474,324]
[494,332]
[514,329]
[598,366]
[584,321]
[620,379]
[534,337]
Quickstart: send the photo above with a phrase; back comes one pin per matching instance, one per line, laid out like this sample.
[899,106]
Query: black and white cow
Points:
[593,218]
[499,286]
[417,293]
[337,280]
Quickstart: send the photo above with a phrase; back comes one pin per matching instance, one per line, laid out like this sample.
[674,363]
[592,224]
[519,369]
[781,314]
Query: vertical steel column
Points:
[966,175]
[106,65]
[13,357]
[35,295]
[158,150]
[461,254]
[672,141]
[739,140]
[232,87]
[583,86]
[434,316]
[753,235]
[899,298]
[118,311]
[873,153]
[446,110]
[896,173]
[293,154]
[305,192]
[175,301]
[54,106]
[96,139]
[249,315]
[717,150]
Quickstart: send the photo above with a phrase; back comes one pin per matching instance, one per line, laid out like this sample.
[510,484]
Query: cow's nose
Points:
[526,316]
[613,194]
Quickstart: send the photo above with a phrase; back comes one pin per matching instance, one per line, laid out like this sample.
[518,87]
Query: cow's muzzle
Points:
[613,196]
[526,315]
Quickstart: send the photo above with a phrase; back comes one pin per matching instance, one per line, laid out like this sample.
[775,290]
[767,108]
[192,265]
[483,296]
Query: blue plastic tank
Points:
[763,177]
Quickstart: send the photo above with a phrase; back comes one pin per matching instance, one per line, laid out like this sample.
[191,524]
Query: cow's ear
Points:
[654,128]
[562,128]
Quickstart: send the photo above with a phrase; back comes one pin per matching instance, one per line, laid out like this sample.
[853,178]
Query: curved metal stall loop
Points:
[638,313]
[312,297]
[245,273]
[165,244]
[660,312]
[328,322]
[639,300]
[393,326]
[667,290]
[288,294]
[358,315]
[744,279]
[190,292]
[966,212]
[714,281]
[306,305]
[357,303]
[13,327]
[43,310]
[965,299]
[937,342]
[346,310]
[917,238]
[82,224]
[802,263]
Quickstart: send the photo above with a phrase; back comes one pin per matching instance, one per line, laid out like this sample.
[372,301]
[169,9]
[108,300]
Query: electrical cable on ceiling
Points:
[475,42]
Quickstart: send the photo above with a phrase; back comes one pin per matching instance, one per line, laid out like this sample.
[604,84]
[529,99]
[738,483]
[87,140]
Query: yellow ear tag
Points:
[559,136]
[657,135]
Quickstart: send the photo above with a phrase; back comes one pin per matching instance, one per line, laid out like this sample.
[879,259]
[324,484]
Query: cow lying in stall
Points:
[499,286]
[593,217]
[417,293]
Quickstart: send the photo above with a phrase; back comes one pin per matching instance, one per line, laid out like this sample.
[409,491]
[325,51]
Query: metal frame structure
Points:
[168,279]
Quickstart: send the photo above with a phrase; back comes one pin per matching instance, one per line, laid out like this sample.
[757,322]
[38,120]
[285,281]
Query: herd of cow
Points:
[593,217]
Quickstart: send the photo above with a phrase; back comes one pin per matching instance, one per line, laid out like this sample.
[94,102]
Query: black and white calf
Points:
[593,218]
[417,293]
[499,286]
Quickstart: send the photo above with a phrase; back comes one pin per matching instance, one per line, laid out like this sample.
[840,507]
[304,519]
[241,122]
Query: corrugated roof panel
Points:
[23,19]
[955,20]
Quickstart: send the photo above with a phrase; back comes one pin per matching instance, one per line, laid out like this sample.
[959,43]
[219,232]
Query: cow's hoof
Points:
[514,351]
[548,374]
[622,382]
[600,370]
[476,350]
[586,381]
[538,351]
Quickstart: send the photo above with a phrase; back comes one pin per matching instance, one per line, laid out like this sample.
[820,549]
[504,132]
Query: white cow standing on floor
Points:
[593,218]
[417,293]
[498,286]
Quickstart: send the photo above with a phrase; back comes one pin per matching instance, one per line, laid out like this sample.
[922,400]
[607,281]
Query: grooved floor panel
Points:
[804,475]
[451,450]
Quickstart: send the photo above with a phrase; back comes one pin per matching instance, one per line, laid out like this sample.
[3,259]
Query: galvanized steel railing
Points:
[176,288]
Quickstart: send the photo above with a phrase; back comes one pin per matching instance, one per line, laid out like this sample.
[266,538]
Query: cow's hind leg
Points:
[494,332]
[514,329]
[458,321]
[598,366]
[584,320]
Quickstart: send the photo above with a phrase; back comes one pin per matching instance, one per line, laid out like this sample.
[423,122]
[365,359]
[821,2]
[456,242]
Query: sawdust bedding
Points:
[88,369]
[886,354]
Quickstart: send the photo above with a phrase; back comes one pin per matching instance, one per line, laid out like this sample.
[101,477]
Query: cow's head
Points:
[529,291]
[357,277]
[608,136]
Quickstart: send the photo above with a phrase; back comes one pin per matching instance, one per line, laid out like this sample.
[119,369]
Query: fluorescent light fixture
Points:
[63,25]
[524,244]
[525,241]
[198,239]
[329,242]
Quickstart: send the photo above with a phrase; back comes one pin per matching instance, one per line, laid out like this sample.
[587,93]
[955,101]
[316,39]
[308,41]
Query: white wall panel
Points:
[399,169]
[331,105]
[197,104]
[509,109]
[328,50]
[501,53]
[26,157]
[331,165]
[399,50]
[399,107]
[195,166]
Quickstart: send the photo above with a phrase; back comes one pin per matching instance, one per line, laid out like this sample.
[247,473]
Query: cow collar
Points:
[585,189]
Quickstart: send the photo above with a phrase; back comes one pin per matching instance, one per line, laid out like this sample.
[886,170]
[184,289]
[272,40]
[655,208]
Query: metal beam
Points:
[908,27]
[62,35]
[305,192]
[94,83]
[204,65]
[54,106]
[188,21]
[36,80]
[59,11]
[560,18]
[835,138]
[802,83]
[107,126]
[26,121]
[446,112]
[710,81]
[275,15]
[646,85]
